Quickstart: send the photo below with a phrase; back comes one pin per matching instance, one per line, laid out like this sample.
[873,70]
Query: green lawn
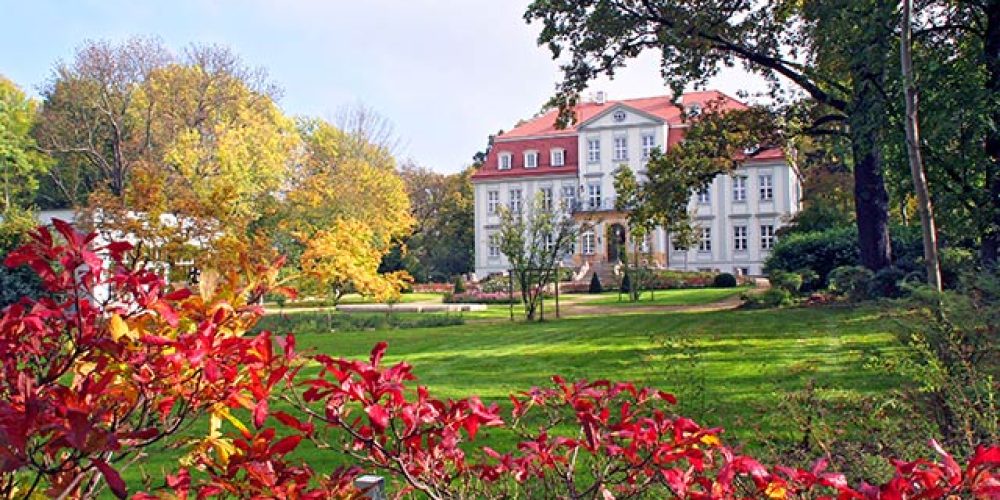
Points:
[728,368]
[690,296]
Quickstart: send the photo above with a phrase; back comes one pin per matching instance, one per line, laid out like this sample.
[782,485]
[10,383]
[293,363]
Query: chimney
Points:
[600,98]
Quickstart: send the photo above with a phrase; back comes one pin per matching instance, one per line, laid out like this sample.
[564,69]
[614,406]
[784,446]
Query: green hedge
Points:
[822,252]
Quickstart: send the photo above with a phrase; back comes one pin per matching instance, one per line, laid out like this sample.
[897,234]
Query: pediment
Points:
[619,115]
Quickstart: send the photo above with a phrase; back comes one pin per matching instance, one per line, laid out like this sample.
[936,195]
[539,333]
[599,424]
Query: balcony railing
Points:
[606,204]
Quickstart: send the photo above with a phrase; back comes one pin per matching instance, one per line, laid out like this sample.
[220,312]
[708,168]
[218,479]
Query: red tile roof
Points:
[541,134]
[662,107]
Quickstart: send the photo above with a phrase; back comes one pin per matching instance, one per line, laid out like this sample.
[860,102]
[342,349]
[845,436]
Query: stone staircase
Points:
[606,273]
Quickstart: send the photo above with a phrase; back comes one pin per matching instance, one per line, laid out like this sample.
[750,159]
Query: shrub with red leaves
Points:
[86,386]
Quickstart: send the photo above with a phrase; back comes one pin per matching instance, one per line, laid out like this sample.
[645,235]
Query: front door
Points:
[616,241]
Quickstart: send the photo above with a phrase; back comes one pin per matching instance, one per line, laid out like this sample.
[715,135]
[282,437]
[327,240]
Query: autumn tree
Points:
[535,241]
[333,188]
[837,52]
[91,121]
[441,245]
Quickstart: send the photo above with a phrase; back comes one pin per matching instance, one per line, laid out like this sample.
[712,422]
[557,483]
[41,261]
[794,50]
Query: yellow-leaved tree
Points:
[343,211]
[221,150]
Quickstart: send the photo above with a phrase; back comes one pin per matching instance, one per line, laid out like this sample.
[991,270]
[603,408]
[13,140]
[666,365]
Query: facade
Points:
[574,168]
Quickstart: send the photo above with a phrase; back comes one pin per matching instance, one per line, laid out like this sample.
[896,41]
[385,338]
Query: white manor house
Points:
[737,216]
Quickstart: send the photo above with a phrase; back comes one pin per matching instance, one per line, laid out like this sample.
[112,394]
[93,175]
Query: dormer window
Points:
[558,157]
[530,159]
[505,160]
[694,110]
[619,116]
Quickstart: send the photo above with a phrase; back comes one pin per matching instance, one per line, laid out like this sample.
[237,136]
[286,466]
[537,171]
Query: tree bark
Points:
[991,55]
[871,200]
[924,205]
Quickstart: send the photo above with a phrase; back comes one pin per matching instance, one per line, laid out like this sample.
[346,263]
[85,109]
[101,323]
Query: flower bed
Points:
[482,298]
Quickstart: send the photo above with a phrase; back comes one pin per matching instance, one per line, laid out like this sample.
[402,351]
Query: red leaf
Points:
[114,479]
[260,412]
[178,295]
[286,445]
[378,416]
[377,352]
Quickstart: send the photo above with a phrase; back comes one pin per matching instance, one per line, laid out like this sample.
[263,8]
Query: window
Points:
[594,196]
[515,201]
[589,243]
[568,198]
[694,110]
[494,245]
[530,159]
[740,238]
[619,116]
[678,247]
[767,237]
[648,143]
[505,161]
[621,148]
[558,157]
[492,201]
[547,198]
[705,243]
[705,196]
[594,150]
[740,188]
[741,271]
[550,242]
[766,187]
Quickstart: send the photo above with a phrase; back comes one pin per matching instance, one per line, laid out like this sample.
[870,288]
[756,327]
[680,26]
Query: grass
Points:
[353,298]
[729,368]
[689,296]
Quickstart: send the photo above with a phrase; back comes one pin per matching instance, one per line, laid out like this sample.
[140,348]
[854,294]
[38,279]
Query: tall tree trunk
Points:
[991,55]
[924,205]
[867,121]
[871,200]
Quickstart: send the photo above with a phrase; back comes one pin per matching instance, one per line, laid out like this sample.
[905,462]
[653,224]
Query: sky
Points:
[446,73]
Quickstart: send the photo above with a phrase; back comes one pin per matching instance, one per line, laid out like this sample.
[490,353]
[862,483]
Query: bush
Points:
[459,285]
[853,282]
[956,262]
[17,283]
[495,283]
[885,283]
[503,297]
[307,322]
[595,284]
[822,252]
[773,297]
[724,280]
[791,282]
[669,280]
[626,284]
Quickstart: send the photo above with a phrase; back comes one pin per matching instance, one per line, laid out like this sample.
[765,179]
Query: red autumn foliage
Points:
[87,385]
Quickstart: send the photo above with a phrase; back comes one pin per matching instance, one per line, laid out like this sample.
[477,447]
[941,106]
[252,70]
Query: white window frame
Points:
[740,238]
[766,236]
[557,157]
[739,188]
[505,161]
[705,196]
[766,187]
[620,148]
[593,150]
[588,243]
[515,203]
[648,144]
[594,197]
[533,157]
[493,242]
[492,201]
[705,242]
[550,242]
[568,198]
[546,197]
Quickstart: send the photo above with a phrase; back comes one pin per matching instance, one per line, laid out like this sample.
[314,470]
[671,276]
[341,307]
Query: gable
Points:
[620,115]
